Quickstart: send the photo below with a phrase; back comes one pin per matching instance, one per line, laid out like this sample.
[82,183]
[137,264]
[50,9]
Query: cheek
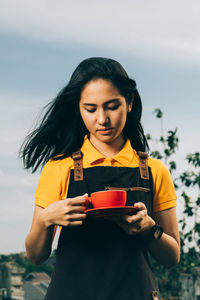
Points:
[84,119]
[122,117]
[88,120]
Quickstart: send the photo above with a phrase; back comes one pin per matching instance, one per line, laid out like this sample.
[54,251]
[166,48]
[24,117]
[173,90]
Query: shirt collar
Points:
[91,154]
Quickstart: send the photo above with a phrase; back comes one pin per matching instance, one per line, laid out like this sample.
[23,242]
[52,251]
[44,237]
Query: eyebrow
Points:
[115,100]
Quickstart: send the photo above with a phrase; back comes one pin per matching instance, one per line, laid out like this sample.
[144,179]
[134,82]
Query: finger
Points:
[76,209]
[77,200]
[76,217]
[76,223]
[133,219]
[140,205]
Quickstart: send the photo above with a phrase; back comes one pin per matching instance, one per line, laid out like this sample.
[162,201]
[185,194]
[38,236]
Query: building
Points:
[35,286]
[11,281]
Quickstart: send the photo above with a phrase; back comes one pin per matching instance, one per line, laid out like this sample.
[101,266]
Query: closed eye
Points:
[113,107]
[112,104]
[91,110]
[109,108]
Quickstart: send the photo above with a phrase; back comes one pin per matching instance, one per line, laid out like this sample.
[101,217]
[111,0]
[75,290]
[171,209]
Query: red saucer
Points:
[111,211]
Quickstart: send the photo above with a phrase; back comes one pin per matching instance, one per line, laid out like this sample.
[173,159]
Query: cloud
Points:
[17,116]
[15,181]
[169,29]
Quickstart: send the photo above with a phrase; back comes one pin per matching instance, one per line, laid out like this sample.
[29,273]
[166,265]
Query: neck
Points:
[109,149]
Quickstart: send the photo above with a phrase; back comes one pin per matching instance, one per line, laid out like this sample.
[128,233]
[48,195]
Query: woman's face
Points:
[104,112]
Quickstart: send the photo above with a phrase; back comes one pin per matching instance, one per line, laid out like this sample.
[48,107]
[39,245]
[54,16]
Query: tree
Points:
[26,264]
[187,185]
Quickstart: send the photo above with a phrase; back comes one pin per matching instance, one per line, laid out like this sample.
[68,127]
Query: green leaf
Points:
[167,152]
[172,165]
[156,154]
[158,113]
[197,227]
[198,201]
[189,211]
[190,238]
[194,159]
[148,137]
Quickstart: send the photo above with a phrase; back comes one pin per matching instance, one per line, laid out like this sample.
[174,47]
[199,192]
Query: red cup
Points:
[108,198]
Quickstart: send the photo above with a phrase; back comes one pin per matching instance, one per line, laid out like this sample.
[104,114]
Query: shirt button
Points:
[112,162]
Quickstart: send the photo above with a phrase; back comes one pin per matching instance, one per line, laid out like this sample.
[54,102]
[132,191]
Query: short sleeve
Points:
[49,187]
[164,190]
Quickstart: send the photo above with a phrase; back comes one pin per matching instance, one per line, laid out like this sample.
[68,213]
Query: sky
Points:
[42,42]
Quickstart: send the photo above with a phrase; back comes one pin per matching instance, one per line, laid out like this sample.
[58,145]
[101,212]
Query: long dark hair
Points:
[61,130]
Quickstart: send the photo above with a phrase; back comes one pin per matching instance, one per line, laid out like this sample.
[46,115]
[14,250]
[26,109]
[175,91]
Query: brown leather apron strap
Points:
[78,165]
[144,172]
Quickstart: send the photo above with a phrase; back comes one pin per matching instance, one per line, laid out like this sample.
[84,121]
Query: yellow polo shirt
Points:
[54,179]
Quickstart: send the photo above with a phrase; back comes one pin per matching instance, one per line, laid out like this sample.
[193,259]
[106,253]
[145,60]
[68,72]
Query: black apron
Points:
[98,260]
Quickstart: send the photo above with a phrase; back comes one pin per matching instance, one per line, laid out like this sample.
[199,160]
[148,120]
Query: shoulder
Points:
[160,172]
[56,169]
[157,166]
[59,165]
[53,180]
[163,186]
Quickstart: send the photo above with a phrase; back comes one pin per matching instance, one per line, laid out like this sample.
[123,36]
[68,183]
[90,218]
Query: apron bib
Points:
[98,260]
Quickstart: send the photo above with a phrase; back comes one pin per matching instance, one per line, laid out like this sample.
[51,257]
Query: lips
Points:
[105,131]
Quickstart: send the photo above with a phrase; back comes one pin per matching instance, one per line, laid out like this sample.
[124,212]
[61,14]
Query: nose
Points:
[102,117]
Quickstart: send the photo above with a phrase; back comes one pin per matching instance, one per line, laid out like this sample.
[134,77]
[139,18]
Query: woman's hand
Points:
[68,212]
[139,223]
[166,250]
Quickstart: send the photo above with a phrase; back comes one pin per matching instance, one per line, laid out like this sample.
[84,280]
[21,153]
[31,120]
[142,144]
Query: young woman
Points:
[91,140]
